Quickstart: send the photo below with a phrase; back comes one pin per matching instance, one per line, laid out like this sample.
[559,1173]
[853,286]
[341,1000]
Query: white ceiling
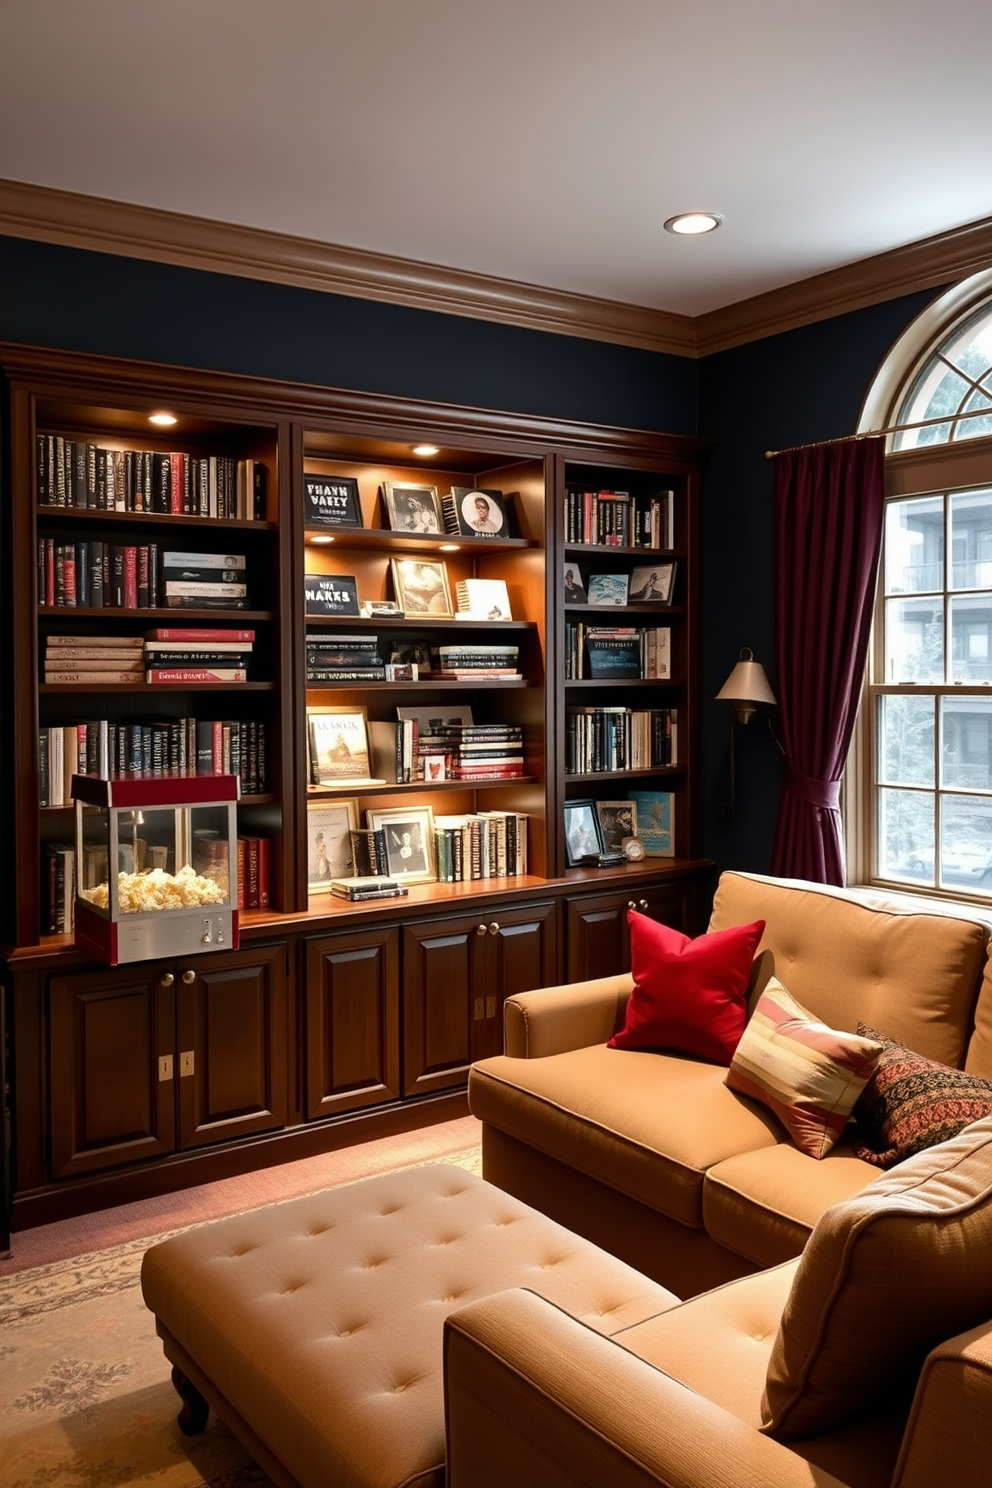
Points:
[544,141]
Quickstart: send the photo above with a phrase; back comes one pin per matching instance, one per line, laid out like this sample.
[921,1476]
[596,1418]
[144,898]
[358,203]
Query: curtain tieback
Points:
[823,793]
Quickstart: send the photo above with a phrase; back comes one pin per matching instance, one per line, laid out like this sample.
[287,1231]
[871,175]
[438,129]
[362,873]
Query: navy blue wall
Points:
[795,388]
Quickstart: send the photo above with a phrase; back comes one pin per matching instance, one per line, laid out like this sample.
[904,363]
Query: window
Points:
[923,816]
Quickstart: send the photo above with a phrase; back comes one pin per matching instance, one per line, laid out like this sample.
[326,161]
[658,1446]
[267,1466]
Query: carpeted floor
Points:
[85,1395]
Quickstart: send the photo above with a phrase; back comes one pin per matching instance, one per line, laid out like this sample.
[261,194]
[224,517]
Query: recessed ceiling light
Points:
[691,224]
[162,418]
[425,449]
[450,548]
[314,541]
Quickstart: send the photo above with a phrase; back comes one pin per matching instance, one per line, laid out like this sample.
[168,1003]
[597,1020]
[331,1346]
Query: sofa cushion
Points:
[850,954]
[911,1103]
[807,1074]
[689,995]
[885,1277]
[620,1115]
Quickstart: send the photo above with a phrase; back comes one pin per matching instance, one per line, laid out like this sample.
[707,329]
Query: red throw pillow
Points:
[690,996]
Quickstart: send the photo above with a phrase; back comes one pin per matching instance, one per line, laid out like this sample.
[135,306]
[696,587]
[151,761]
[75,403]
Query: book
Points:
[91,678]
[193,634]
[201,589]
[475,512]
[117,642]
[195,563]
[93,661]
[196,675]
[607,589]
[342,889]
[330,594]
[483,599]
[198,648]
[654,822]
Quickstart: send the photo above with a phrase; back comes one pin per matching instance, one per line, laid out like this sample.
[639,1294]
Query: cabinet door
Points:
[596,933]
[111,1069]
[522,956]
[352,1021]
[456,974]
[231,1058]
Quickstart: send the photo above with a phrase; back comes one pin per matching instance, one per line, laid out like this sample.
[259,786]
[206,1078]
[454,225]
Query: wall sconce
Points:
[747,687]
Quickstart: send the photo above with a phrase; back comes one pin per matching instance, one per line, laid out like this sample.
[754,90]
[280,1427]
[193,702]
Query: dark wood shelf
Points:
[181,520]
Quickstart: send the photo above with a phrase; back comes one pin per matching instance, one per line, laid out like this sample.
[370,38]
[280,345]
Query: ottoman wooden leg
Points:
[192,1419]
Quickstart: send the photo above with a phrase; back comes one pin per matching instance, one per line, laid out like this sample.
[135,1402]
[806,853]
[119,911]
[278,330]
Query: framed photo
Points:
[330,594]
[412,508]
[480,513]
[331,501]
[654,822]
[617,820]
[421,586]
[652,584]
[607,589]
[329,829]
[575,590]
[582,834]
[338,746]
[409,836]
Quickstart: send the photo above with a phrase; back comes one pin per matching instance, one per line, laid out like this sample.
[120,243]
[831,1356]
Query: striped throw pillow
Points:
[807,1074]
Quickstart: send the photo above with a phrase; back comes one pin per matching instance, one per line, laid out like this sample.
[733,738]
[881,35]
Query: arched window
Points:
[919,788]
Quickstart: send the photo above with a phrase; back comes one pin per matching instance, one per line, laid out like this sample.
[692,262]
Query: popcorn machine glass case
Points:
[173,841]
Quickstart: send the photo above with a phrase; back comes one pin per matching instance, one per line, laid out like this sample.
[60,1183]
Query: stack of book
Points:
[476,663]
[253,873]
[190,656]
[483,844]
[204,581]
[368,886]
[619,738]
[92,660]
[484,751]
[74,473]
[344,658]
[618,519]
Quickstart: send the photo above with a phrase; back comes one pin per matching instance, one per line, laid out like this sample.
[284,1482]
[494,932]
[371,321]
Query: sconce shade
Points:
[746,686]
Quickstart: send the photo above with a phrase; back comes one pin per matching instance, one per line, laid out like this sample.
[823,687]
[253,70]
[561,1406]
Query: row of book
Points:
[137,576]
[480,844]
[166,654]
[74,473]
[619,519]
[191,746]
[409,750]
[620,651]
[618,738]
[348,658]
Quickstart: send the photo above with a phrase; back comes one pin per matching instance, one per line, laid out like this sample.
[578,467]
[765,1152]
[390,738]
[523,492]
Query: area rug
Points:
[86,1399]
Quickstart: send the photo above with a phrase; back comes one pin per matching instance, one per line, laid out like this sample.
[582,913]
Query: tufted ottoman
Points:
[314,1327]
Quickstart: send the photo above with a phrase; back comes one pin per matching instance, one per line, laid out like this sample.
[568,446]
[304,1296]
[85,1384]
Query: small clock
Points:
[632,849]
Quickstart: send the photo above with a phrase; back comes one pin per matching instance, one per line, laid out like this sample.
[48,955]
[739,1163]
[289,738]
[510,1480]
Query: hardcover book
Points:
[473,512]
[483,599]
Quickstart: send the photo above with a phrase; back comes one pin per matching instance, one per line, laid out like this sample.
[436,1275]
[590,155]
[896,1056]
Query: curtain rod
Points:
[950,418]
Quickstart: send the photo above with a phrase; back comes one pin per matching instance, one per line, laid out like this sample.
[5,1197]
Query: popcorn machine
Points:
[156,865]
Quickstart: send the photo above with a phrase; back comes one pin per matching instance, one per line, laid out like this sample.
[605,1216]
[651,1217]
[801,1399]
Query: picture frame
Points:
[330,594]
[338,747]
[409,838]
[479,512]
[617,822]
[413,509]
[331,501]
[607,589]
[422,587]
[652,583]
[329,855]
[582,831]
[575,590]
[655,825]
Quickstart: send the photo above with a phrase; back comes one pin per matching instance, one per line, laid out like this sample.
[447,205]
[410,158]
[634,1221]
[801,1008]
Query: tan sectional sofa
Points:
[650,1155]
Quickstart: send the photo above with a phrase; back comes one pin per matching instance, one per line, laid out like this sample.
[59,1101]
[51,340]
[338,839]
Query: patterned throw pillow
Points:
[807,1074]
[912,1103]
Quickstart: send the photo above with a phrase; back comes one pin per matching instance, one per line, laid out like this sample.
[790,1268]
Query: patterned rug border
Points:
[29,1294]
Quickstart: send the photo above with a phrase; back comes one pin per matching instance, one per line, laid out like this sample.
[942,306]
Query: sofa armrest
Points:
[555,1019]
[539,1400]
[950,1426]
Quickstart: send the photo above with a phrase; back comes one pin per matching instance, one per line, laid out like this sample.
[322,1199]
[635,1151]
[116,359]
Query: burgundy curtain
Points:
[829,505]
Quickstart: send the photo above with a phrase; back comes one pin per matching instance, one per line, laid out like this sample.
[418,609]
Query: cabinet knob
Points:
[189,977]
[494,928]
[631,903]
[642,904]
[480,929]
[167,979]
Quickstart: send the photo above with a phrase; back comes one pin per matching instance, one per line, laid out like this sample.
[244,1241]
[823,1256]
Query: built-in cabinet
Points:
[330,1011]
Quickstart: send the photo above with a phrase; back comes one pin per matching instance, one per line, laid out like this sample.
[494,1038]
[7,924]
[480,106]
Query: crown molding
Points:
[45,215]
[930,263]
